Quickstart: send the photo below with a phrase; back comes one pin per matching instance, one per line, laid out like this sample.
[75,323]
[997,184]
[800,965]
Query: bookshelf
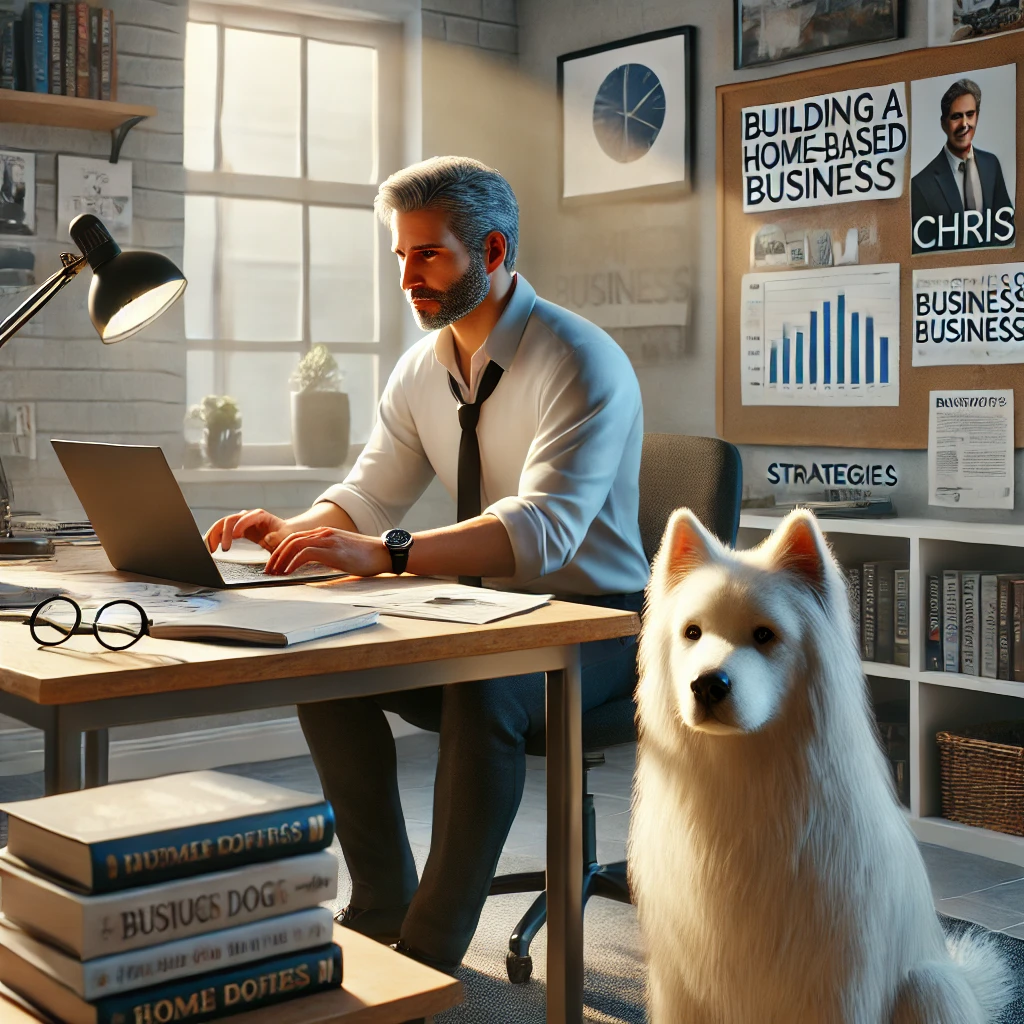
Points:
[938,700]
[73,112]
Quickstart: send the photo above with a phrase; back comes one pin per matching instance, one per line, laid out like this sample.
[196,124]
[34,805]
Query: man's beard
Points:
[457,301]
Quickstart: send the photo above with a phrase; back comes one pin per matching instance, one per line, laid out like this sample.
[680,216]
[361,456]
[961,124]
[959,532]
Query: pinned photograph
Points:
[86,185]
[17,193]
[963,161]
[962,21]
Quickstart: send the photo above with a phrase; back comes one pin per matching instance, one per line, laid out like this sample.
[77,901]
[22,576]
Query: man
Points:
[959,200]
[559,427]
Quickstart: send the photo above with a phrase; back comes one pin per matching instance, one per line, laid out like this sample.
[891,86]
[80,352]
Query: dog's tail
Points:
[984,968]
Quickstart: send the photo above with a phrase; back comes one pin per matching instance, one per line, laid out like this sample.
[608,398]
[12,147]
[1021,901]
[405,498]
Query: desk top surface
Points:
[380,987]
[81,670]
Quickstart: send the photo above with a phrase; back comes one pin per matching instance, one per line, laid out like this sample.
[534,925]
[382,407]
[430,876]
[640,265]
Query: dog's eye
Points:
[763,634]
[692,632]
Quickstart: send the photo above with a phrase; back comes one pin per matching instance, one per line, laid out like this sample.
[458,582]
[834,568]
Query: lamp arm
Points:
[41,296]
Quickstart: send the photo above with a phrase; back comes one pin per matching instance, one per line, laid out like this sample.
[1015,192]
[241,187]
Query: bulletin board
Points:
[900,426]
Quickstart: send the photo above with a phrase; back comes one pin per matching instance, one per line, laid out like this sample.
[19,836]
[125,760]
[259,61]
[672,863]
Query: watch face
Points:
[398,538]
[629,112]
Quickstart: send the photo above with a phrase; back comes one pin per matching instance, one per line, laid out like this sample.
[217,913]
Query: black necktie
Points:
[468,499]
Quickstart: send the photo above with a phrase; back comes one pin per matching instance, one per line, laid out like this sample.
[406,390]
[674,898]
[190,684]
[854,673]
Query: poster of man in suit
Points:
[962,194]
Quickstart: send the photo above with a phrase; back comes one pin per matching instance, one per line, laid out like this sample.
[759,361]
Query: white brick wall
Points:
[133,392]
[485,24]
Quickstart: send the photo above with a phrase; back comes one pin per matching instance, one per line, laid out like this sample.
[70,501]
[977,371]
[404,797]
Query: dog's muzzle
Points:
[711,688]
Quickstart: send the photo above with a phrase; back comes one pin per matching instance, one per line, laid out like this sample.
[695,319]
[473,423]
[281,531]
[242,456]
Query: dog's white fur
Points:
[776,879]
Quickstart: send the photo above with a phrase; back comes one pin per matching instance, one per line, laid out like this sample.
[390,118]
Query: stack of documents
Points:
[71,531]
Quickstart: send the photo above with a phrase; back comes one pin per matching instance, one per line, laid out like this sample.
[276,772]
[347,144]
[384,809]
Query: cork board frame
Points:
[902,426]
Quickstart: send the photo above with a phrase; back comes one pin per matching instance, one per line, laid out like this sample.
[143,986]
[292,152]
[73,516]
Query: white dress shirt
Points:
[560,441]
[970,167]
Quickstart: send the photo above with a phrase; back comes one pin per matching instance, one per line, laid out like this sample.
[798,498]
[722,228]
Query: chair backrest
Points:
[703,474]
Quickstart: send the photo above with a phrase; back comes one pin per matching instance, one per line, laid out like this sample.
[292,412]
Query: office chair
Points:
[676,470]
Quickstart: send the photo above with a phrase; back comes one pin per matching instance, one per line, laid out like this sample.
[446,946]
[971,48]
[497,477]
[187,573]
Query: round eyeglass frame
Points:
[34,618]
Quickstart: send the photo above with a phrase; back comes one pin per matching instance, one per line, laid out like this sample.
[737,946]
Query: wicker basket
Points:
[982,774]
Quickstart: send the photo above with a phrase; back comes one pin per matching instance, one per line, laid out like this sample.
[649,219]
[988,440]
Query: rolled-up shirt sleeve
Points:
[392,470]
[587,411]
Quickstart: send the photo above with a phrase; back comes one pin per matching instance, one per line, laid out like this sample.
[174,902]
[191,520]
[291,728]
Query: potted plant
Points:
[194,429]
[320,410]
[223,431]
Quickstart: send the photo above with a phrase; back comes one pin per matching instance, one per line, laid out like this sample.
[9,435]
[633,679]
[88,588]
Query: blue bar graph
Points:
[814,347]
[883,360]
[773,366]
[869,350]
[799,357]
[841,340]
[785,356]
[826,330]
[855,348]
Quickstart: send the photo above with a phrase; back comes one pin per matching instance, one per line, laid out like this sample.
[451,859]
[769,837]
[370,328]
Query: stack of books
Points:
[60,531]
[187,897]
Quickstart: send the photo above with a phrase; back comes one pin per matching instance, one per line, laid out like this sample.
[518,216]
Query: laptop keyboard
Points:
[242,572]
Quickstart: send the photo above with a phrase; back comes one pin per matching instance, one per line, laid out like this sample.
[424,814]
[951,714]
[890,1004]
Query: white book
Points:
[100,925]
[989,615]
[154,965]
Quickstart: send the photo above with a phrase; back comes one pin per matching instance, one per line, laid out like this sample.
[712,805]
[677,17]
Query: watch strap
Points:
[399,560]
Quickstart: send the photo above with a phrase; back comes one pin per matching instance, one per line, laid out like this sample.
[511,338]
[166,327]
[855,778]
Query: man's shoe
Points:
[384,924]
[445,966]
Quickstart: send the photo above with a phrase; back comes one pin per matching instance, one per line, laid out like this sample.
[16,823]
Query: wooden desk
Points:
[380,987]
[79,690]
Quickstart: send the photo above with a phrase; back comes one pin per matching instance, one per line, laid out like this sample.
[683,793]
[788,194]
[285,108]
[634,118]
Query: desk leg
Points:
[97,758]
[565,846]
[68,744]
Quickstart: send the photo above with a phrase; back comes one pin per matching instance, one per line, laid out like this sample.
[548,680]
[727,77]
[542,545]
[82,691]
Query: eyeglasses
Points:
[117,625]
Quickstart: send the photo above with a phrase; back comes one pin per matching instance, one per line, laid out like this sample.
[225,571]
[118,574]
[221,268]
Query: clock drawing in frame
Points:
[626,117]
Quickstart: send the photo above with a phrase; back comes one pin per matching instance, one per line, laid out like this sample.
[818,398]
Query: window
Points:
[288,122]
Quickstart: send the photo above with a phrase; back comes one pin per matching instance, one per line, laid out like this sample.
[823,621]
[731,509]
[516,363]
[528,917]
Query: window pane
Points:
[342,274]
[360,381]
[200,94]
[341,113]
[200,251]
[261,270]
[259,381]
[260,118]
[199,380]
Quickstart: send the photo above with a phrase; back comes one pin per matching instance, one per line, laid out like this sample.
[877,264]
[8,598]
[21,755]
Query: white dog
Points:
[776,879]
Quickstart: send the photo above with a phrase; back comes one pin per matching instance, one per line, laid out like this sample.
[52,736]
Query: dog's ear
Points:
[797,546]
[685,546]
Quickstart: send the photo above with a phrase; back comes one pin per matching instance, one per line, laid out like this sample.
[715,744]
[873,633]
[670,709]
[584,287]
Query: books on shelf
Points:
[242,929]
[884,620]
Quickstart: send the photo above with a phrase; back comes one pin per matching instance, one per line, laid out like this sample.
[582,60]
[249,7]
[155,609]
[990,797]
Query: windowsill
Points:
[262,474]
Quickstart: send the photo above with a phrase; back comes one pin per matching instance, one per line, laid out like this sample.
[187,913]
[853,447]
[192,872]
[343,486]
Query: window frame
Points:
[386,38]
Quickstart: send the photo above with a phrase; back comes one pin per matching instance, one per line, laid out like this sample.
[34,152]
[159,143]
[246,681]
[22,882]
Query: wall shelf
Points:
[938,700]
[73,112]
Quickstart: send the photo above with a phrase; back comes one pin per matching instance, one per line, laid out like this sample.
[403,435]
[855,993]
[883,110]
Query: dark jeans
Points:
[479,783]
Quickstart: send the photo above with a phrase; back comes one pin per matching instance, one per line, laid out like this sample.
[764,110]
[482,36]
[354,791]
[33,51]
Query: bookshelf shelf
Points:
[72,112]
[938,700]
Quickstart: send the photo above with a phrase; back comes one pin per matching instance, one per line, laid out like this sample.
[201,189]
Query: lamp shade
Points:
[129,289]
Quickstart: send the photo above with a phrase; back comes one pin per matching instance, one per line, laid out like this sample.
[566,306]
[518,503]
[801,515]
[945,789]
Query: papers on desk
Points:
[451,602]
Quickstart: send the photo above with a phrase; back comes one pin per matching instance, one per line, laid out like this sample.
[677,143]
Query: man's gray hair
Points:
[961,87]
[477,199]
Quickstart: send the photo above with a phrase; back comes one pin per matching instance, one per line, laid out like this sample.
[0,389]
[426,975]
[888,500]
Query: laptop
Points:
[140,517]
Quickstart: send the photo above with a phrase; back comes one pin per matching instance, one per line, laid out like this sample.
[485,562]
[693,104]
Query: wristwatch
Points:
[398,542]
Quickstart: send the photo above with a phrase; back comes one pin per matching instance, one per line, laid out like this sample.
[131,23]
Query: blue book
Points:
[37,47]
[152,830]
[199,998]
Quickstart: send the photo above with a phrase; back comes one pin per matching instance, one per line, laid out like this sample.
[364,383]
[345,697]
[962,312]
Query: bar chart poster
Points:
[822,337]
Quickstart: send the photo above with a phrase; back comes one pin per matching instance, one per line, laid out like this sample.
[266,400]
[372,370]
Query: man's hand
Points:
[257,525]
[339,549]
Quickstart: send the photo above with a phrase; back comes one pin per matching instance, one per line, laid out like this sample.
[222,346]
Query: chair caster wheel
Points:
[519,968]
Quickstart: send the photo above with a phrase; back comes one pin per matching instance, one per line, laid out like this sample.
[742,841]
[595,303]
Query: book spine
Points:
[194,906]
[209,996]
[94,52]
[37,63]
[951,620]
[106,53]
[1003,627]
[884,613]
[56,34]
[1017,668]
[853,593]
[178,853]
[901,639]
[69,50]
[868,621]
[969,631]
[8,68]
[82,50]
[988,608]
[230,947]
[933,625]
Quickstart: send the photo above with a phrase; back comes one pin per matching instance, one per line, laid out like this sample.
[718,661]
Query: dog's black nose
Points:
[711,687]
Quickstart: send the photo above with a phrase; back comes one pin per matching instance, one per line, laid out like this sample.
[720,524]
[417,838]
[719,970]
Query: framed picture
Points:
[627,113]
[767,31]
[85,185]
[17,192]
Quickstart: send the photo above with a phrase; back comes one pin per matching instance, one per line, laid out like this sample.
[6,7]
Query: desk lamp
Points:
[129,290]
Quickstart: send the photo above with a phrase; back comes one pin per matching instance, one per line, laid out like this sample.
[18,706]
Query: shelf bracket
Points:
[118,135]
